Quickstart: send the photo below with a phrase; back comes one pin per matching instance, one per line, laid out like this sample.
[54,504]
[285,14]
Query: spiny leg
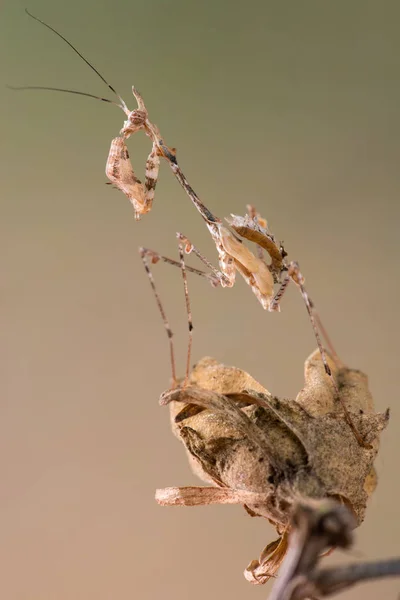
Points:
[317,324]
[295,275]
[325,335]
[120,172]
[173,163]
[144,257]
[151,177]
[313,314]
[188,312]
[153,257]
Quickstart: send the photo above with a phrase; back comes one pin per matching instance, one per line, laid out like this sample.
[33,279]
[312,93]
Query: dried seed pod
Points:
[268,453]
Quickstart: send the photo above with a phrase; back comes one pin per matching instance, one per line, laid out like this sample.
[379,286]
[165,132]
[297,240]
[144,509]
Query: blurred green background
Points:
[293,106]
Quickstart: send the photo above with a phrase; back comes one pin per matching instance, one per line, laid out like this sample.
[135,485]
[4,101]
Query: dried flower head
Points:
[268,453]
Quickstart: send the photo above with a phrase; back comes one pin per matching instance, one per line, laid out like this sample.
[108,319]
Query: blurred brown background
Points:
[293,106]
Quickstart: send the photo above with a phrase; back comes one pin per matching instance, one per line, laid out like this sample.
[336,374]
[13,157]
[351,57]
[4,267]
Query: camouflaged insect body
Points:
[267,453]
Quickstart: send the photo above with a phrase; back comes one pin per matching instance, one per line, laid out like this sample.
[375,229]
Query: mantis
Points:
[267,280]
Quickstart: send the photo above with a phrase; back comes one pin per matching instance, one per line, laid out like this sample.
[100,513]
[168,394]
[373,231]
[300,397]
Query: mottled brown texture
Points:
[268,453]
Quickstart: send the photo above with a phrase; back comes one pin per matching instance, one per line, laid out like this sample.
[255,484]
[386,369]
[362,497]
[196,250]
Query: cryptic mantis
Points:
[233,255]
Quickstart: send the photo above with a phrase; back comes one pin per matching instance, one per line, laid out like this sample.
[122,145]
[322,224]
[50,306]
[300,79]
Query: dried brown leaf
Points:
[268,453]
[261,570]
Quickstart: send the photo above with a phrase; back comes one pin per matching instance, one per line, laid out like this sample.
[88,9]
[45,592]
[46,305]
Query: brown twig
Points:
[315,528]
